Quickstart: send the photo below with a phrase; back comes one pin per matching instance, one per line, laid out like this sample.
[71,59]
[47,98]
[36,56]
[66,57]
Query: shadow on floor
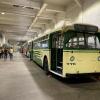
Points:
[58,88]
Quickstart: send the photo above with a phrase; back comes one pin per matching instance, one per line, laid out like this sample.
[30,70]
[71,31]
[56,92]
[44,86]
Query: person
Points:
[5,53]
[0,52]
[11,53]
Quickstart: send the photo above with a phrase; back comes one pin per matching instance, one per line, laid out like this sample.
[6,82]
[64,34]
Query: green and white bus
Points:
[75,50]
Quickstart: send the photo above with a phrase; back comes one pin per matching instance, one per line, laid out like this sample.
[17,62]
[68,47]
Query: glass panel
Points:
[86,41]
[44,44]
[91,42]
[81,38]
[97,43]
[74,39]
[57,41]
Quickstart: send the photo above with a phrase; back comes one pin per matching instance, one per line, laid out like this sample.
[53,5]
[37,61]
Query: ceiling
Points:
[24,19]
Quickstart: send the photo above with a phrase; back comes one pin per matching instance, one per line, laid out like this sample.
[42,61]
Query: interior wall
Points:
[89,12]
[74,13]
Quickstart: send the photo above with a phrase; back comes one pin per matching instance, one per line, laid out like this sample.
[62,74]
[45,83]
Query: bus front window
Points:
[83,41]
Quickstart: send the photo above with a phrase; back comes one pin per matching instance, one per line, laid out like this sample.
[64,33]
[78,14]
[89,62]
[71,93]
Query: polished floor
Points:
[22,79]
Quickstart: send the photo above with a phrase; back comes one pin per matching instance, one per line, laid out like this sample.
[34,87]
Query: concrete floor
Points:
[21,79]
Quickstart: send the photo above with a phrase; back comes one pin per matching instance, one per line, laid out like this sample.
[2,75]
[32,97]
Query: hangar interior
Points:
[31,18]
[21,22]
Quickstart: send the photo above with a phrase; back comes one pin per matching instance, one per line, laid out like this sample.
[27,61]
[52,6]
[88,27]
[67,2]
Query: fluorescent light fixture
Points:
[3,13]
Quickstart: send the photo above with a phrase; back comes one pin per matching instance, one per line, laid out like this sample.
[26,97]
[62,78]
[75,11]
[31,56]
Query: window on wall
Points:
[84,41]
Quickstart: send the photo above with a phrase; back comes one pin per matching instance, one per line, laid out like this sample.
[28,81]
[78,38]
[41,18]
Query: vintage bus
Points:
[72,50]
[25,49]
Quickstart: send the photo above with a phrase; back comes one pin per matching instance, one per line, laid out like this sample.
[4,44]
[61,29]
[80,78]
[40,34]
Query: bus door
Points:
[31,50]
[57,53]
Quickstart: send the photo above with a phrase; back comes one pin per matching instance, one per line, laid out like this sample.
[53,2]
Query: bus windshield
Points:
[83,41]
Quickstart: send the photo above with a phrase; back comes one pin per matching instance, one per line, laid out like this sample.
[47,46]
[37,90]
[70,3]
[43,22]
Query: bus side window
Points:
[44,44]
[98,43]
[72,43]
[91,42]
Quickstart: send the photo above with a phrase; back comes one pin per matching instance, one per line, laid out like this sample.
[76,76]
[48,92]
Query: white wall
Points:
[89,13]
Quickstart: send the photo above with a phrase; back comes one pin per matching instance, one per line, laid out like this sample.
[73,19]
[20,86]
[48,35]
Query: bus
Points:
[72,50]
[25,49]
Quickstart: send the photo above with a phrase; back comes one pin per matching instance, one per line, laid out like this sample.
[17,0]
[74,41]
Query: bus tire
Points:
[45,65]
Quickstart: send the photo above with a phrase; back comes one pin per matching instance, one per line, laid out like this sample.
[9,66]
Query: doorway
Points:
[57,53]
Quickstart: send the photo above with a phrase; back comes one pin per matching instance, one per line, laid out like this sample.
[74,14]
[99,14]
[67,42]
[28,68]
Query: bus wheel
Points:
[45,66]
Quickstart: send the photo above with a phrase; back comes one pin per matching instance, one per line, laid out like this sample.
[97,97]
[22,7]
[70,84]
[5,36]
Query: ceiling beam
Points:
[78,2]
[55,8]
[44,16]
[11,35]
[10,22]
[35,30]
[42,21]
[38,14]
[18,14]
[7,26]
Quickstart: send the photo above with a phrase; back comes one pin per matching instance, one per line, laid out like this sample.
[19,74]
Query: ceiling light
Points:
[3,13]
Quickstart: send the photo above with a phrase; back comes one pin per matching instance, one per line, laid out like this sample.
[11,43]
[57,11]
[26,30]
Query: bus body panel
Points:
[38,56]
[47,53]
[81,62]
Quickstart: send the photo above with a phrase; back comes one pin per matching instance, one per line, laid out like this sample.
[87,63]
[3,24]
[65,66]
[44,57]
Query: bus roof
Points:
[77,27]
